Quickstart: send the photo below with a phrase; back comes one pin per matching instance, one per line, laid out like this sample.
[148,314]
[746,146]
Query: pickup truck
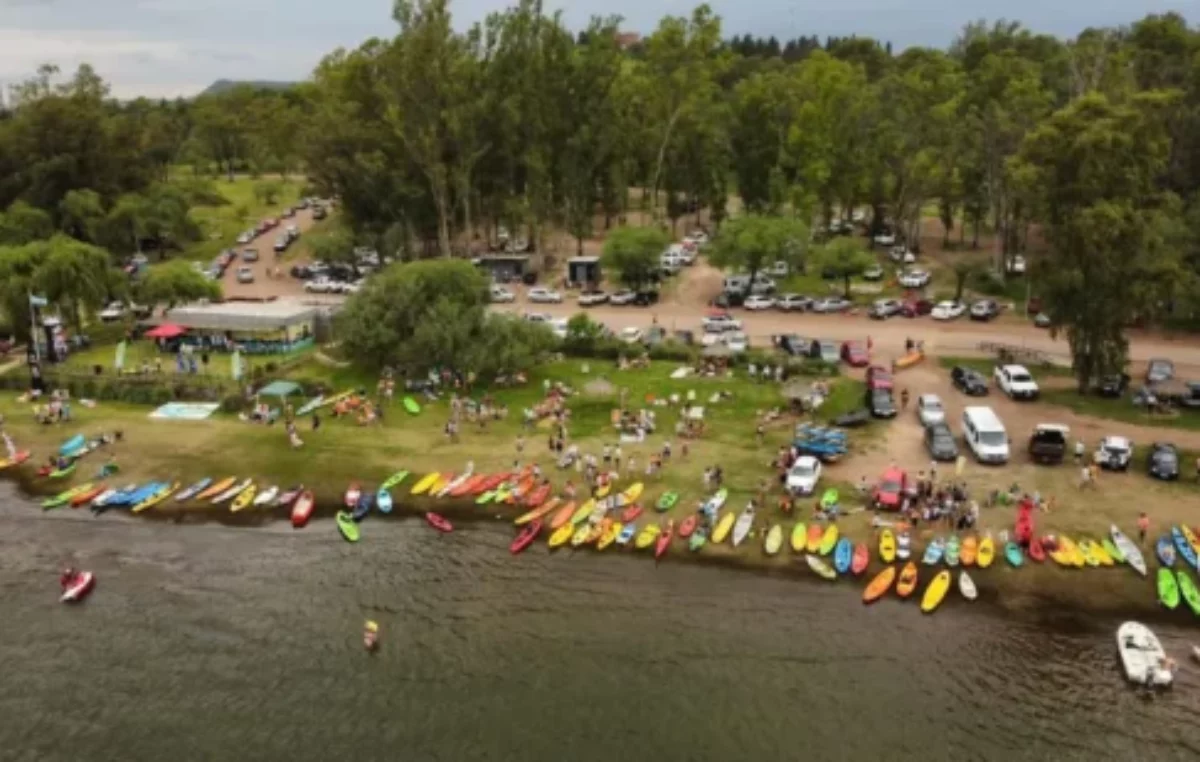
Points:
[1048,444]
[1016,382]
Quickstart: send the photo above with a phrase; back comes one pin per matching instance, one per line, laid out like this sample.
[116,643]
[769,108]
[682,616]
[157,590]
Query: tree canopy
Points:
[753,242]
[634,255]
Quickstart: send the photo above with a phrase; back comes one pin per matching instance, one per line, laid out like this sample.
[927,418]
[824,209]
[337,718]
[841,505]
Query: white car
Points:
[538,317]
[737,341]
[592,298]
[780,269]
[501,294]
[793,303]
[541,295]
[631,335]
[803,476]
[885,239]
[930,410]
[915,279]
[948,310]
[1017,265]
[711,339]
[352,288]
[245,275]
[874,272]
[624,296]
[759,303]
[322,286]
[1114,453]
[902,255]
[114,311]
[1016,382]
[559,327]
[831,304]
[720,323]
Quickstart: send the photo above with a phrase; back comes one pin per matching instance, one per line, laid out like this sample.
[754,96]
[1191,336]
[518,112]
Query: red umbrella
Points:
[166,331]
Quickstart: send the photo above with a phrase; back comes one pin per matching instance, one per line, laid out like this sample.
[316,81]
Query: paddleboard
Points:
[1132,554]
[723,527]
[799,537]
[215,489]
[394,480]
[742,528]
[425,483]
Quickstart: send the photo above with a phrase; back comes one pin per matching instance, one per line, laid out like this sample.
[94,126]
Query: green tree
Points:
[176,282]
[75,275]
[752,242]
[963,270]
[22,223]
[267,191]
[634,254]
[844,257]
[81,213]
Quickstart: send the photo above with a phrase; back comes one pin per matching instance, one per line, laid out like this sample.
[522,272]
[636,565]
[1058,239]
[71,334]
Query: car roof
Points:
[1013,368]
[924,398]
[1115,441]
[893,472]
[806,460]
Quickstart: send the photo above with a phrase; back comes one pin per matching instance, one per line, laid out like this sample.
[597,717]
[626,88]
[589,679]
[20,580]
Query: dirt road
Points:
[265,284]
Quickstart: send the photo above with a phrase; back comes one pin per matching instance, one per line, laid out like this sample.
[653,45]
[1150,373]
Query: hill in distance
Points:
[225,85]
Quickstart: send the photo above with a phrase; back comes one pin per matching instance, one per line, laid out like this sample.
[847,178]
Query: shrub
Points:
[232,403]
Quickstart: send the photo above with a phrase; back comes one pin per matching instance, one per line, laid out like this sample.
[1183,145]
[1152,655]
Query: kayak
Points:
[742,528]
[581,535]
[597,531]
[667,501]
[190,492]
[715,503]
[439,522]
[487,497]
[425,483]
[583,511]
[243,499]
[774,540]
[72,445]
[61,472]
[698,540]
[647,536]
[688,526]
[216,489]
[394,480]
[266,496]
[799,537]
[627,532]
[1112,550]
[347,526]
[631,513]
[879,585]
[537,513]
[538,496]
[469,487]
[815,535]
[363,507]
[1133,554]
[1078,560]
[1168,588]
[908,580]
[970,547]
[383,500]
[935,592]
[77,587]
[604,490]
[411,406]
[966,586]
[861,559]
[903,546]
[232,492]
[828,540]
[887,546]
[1089,554]
[525,537]
[664,539]
[1190,536]
[1036,550]
[822,569]
[934,551]
[1165,551]
[1184,547]
[302,509]
[102,498]
[610,535]
[1100,552]
[723,527]
[1188,590]
[63,497]
[1012,554]
[843,552]
[17,460]
[634,491]
[561,535]
[562,516]
[159,495]
[953,546]
[986,553]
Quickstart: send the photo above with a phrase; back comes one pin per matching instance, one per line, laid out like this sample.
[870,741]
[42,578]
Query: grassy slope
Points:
[220,225]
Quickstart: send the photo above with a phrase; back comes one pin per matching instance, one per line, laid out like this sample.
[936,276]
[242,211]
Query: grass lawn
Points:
[1120,410]
[220,225]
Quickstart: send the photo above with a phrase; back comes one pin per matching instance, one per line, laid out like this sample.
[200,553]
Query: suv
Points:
[985,309]
[720,324]
[1114,453]
[1016,382]
[624,296]
[1048,443]
[883,309]
[592,298]
[793,303]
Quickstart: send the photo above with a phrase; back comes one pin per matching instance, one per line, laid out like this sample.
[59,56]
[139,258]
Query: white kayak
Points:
[1142,656]
[1133,554]
[966,586]
[456,483]
[821,568]
[228,494]
[903,546]
[742,528]
[266,496]
[78,588]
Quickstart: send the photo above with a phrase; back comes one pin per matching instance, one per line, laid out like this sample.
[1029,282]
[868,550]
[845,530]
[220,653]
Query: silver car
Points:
[930,410]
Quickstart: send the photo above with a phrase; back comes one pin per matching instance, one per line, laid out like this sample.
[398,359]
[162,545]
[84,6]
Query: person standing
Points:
[1079,451]
[1143,525]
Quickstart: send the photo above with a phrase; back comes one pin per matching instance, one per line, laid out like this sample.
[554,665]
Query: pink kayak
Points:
[527,536]
[439,522]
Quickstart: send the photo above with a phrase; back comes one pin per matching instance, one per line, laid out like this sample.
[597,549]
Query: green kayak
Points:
[411,405]
[1168,589]
[1111,549]
[394,479]
[952,548]
[667,501]
[486,497]
[347,527]
[62,497]
[1190,593]
[60,473]
[829,499]
[698,539]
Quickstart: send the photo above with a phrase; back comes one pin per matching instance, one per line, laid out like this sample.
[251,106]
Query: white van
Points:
[985,435]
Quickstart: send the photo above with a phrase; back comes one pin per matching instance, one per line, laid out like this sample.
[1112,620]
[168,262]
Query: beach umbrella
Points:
[165,331]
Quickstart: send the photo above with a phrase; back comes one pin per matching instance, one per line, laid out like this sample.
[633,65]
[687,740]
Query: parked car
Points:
[893,486]
[631,335]
[985,309]
[1163,461]
[737,341]
[948,310]
[301,272]
[319,213]
[1048,444]
[500,294]
[541,295]
[114,311]
[592,298]
[1016,382]
[780,269]
[879,377]
[281,244]
[968,381]
[874,272]
[930,410]
[793,303]
[901,255]
[883,309]
[1159,370]
[249,255]
[245,275]
[880,403]
[825,350]
[1114,453]
[1041,320]
[322,285]
[803,476]
[915,279]
[759,303]
[622,297]
[793,344]
[831,304]
[719,323]
[855,354]
[885,239]
[939,442]
[1016,265]
[1113,387]
[916,308]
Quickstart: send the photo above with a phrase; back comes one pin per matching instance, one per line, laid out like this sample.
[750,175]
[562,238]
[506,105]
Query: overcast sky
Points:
[178,47]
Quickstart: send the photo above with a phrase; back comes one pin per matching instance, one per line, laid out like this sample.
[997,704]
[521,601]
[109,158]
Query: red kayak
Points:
[88,496]
[76,586]
[631,513]
[353,494]
[688,526]
[664,539]
[538,496]
[861,558]
[527,535]
[439,522]
[302,509]
[468,486]
[1036,551]
[491,483]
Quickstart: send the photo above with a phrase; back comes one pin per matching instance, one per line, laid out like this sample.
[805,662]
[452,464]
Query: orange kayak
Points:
[598,531]
[879,585]
[88,495]
[815,535]
[563,516]
[466,487]
[908,580]
[968,551]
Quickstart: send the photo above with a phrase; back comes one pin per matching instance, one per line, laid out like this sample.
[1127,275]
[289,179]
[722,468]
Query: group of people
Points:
[57,408]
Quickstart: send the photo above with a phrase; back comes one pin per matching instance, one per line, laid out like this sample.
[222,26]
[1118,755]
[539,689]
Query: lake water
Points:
[223,643]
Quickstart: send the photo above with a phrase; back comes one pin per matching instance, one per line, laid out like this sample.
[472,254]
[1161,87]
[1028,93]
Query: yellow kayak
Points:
[887,546]
[1061,554]
[1072,552]
[582,512]
[561,535]
[156,498]
[723,527]
[633,493]
[647,536]
[986,552]
[799,537]
[774,540]
[581,535]
[1088,549]
[1100,553]
[244,498]
[829,539]
[610,535]
[1190,536]
[538,512]
[423,486]
[935,593]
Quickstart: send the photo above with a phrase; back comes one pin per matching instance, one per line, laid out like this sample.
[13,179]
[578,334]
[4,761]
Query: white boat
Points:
[1142,656]
[903,546]
[966,586]
[742,528]
[266,496]
[1133,555]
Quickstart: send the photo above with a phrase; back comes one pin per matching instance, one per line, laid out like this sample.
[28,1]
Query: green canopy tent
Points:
[280,389]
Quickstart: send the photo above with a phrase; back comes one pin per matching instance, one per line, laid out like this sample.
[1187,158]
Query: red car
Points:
[878,378]
[854,353]
[889,493]
[916,307]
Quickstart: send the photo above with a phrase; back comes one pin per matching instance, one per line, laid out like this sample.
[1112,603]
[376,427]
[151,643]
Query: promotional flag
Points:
[119,360]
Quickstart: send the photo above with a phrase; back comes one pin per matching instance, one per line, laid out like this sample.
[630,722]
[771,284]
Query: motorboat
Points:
[1142,656]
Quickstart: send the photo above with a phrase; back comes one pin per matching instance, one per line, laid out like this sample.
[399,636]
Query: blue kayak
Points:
[137,495]
[842,553]
[72,445]
[1185,548]
[933,552]
[627,533]
[1012,552]
[364,506]
[1165,551]
[384,500]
